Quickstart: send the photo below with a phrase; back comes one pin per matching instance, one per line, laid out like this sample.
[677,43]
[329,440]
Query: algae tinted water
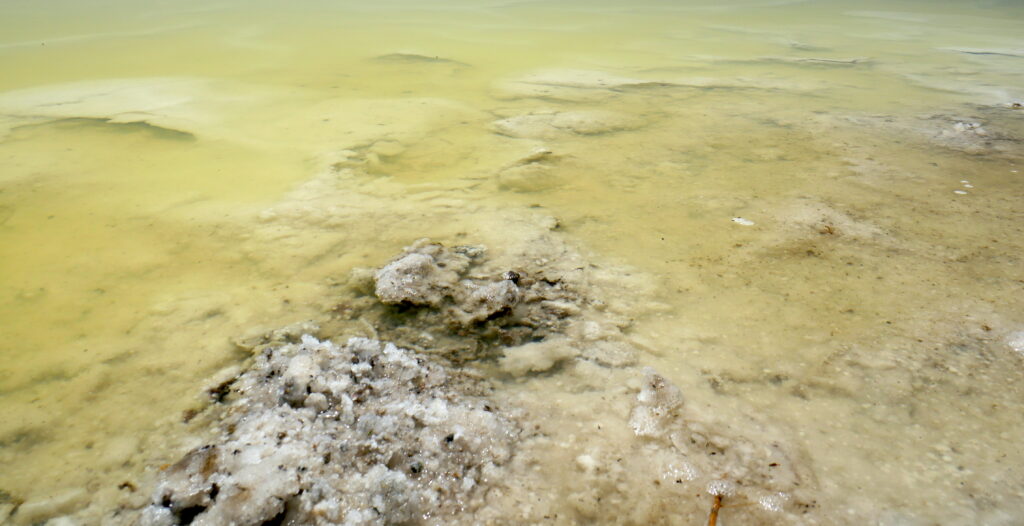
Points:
[827,194]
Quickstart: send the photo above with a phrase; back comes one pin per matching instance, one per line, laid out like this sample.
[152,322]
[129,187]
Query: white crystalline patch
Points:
[356,434]
[680,470]
[397,356]
[721,487]
[435,412]
[742,221]
[491,298]
[959,192]
[968,185]
[644,422]
[656,404]
[406,280]
[1016,341]
[592,330]
[301,369]
[587,463]
[773,502]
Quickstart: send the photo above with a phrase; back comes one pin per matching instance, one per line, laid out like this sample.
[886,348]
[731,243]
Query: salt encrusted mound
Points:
[317,433]
[428,274]
[456,304]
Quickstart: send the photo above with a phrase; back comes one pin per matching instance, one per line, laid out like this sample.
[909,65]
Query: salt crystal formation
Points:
[317,433]
[416,432]
[428,275]
[452,303]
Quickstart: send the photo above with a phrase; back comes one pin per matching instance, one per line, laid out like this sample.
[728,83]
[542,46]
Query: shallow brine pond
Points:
[765,255]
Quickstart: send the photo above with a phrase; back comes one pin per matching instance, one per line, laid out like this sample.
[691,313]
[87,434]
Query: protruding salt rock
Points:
[415,278]
[428,275]
[465,306]
[536,357]
[742,221]
[486,300]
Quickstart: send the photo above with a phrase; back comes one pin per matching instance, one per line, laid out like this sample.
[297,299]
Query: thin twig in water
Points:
[713,516]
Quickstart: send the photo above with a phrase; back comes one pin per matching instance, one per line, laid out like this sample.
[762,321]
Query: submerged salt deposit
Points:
[365,432]
[187,191]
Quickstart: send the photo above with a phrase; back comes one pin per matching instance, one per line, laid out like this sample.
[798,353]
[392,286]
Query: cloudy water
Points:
[806,216]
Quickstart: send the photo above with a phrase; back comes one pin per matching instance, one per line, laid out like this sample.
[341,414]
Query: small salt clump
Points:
[486,300]
[970,127]
[722,487]
[657,405]
[415,279]
[773,502]
[454,302]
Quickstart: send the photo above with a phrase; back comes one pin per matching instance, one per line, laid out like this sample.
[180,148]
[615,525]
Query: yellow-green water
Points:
[149,156]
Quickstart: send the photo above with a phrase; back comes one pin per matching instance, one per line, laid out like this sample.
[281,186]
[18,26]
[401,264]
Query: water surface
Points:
[827,194]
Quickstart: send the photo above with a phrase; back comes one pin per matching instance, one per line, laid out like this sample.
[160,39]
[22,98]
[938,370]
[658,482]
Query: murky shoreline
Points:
[823,201]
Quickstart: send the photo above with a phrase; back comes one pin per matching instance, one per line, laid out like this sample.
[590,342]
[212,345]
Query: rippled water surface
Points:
[827,194]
